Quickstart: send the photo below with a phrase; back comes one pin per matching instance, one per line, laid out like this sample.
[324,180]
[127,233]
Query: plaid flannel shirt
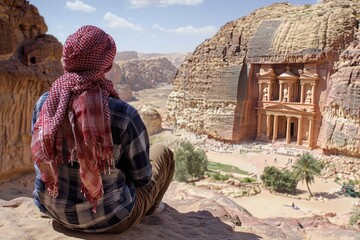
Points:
[132,169]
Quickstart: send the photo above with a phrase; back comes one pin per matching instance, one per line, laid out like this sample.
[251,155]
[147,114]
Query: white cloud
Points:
[78,5]
[158,27]
[188,30]
[162,3]
[114,21]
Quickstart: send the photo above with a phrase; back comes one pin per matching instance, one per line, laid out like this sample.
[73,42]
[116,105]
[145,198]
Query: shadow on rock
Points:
[326,195]
[171,224]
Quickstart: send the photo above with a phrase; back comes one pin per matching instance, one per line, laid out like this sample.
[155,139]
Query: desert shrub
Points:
[351,182]
[269,175]
[355,217]
[219,177]
[248,180]
[337,179]
[279,181]
[189,162]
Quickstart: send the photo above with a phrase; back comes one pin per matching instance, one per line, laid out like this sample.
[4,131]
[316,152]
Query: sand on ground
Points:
[20,219]
[266,204]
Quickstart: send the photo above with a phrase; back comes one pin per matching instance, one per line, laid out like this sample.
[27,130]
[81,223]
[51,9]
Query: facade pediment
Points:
[268,74]
[288,75]
[282,107]
[305,75]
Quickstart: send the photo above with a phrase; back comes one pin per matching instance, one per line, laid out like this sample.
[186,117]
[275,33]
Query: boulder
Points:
[151,118]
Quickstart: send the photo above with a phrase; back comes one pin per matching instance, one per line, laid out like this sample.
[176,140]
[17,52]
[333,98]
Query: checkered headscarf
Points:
[77,110]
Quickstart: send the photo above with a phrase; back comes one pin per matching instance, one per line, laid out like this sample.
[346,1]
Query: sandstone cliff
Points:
[216,89]
[137,71]
[123,89]
[143,73]
[340,130]
[126,56]
[29,62]
[175,58]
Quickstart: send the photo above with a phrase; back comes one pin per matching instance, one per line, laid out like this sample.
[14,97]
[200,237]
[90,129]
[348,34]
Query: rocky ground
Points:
[205,209]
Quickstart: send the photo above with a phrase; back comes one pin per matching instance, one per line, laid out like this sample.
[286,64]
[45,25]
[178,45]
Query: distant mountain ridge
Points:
[142,73]
[175,58]
[145,70]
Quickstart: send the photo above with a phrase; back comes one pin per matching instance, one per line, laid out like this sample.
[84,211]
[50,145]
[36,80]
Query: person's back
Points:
[91,149]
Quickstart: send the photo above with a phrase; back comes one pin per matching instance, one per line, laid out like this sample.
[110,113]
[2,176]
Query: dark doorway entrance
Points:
[292,129]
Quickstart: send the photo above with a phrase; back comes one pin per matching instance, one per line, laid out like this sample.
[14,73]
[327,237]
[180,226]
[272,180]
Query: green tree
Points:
[279,180]
[189,162]
[306,168]
[269,175]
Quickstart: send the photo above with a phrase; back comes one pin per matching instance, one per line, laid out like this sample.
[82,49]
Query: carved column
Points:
[288,123]
[300,132]
[302,93]
[275,131]
[313,93]
[310,140]
[258,126]
[270,93]
[260,92]
[290,93]
[268,122]
[281,92]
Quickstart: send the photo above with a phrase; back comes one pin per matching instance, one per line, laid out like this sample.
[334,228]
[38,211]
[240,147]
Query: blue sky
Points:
[148,26]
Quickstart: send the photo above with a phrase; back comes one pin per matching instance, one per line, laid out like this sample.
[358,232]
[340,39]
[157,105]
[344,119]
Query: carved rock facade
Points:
[29,63]
[217,90]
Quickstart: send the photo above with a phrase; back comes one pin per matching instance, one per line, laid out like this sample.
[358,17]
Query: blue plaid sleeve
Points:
[134,142]
[139,168]
[37,108]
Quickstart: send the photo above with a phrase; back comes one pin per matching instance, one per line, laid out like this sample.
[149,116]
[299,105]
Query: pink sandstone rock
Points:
[216,88]
[29,63]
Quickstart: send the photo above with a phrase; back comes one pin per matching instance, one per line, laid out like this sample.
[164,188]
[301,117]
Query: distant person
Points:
[91,155]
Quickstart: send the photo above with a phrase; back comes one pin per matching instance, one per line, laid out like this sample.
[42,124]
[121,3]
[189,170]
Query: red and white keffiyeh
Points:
[77,110]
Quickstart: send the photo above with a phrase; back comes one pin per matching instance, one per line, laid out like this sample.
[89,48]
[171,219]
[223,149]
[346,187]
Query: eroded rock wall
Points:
[143,73]
[29,63]
[215,89]
[340,130]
